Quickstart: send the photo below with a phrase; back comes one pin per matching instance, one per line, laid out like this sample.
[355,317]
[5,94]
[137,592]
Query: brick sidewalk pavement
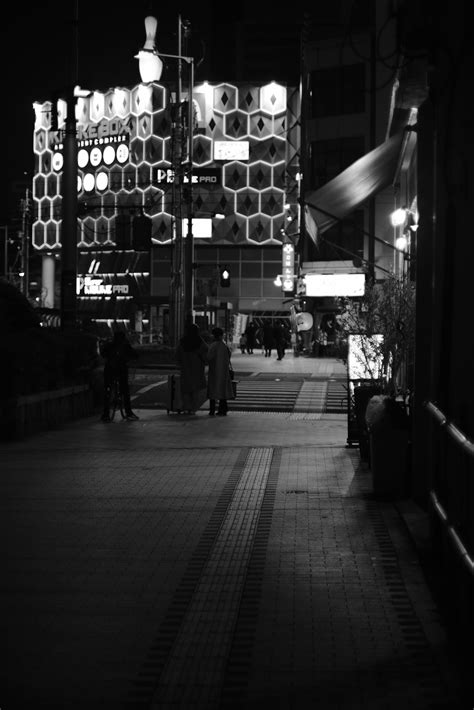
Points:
[189,562]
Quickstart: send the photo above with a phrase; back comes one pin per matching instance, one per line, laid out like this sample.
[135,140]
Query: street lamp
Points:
[150,67]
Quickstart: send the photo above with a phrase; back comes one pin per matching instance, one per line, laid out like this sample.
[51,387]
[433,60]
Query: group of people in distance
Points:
[193,354]
[269,337]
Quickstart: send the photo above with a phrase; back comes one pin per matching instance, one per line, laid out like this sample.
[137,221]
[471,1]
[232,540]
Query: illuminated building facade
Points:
[245,168]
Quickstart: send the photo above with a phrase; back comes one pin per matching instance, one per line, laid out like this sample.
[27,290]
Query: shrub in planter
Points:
[362,396]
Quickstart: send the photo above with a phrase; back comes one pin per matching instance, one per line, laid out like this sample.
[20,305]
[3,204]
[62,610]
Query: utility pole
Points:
[181,285]
[68,305]
[176,283]
[189,245]
[25,242]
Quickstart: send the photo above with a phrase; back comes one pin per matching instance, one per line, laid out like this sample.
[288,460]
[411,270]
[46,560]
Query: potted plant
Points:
[382,325]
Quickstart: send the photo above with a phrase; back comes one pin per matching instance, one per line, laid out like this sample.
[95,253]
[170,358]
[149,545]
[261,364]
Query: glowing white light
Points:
[58,161]
[102,181]
[96,157]
[79,183]
[398,217]
[89,182]
[401,242]
[109,155]
[335,284]
[82,158]
[122,153]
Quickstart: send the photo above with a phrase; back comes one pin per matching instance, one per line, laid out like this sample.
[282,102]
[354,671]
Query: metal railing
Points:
[468,447]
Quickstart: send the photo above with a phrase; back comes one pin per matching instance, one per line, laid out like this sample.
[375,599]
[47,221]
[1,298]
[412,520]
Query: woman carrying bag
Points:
[219,380]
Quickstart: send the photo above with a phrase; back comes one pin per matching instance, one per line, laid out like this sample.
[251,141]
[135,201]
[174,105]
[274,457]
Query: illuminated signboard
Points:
[95,286]
[202,227]
[124,148]
[231,150]
[288,267]
[364,360]
[200,176]
[334,284]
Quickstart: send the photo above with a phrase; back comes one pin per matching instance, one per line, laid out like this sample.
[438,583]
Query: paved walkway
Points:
[197,562]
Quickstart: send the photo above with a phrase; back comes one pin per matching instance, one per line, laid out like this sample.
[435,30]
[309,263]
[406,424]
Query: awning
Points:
[338,197]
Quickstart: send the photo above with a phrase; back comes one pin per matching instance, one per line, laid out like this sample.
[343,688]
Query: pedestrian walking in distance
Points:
[279,337]
[219,382]
[250,333]
[191,357]
[268,339]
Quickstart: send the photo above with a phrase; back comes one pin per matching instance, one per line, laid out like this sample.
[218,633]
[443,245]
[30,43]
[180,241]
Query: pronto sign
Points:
[200,176]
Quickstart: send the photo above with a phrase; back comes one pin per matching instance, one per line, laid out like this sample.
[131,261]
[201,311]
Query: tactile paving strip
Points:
[239,661]
[185,665]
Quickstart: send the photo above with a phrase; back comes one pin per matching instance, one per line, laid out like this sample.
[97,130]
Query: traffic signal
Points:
[225,278]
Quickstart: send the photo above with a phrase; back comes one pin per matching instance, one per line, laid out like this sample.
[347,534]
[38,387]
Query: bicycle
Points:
[115,401]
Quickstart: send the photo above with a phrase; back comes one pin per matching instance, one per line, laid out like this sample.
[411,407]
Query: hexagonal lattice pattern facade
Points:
[129,143]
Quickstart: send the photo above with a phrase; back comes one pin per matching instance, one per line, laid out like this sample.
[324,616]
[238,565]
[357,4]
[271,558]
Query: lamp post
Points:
[151,67]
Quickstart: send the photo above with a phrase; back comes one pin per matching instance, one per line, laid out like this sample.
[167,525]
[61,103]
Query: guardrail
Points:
[467,446]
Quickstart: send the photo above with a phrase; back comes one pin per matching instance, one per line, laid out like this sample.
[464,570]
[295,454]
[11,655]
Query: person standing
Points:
[268,339]
[219,383]
[191,356]
[279,336]
[117,353]
[250,333]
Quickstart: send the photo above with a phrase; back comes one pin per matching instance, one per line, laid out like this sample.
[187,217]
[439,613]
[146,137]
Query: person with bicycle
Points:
[117,353]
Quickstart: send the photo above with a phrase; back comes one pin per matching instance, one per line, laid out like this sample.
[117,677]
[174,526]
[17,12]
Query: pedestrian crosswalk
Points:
[336,399]
[283,395]
[261,396]
[300,394]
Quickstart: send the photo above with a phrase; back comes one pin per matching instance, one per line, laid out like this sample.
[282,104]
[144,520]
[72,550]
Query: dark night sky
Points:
[39,46]
[38,43]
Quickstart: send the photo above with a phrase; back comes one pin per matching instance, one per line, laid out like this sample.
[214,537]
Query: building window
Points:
[338,91]
[331,157]
[343,241]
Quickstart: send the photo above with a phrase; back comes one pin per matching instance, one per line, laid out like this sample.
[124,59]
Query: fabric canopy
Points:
[338,197]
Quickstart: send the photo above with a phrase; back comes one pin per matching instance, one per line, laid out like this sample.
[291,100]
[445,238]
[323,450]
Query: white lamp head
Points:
[149,62]
[398,217]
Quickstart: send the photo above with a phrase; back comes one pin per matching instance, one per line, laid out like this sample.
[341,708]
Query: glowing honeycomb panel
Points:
[125,148]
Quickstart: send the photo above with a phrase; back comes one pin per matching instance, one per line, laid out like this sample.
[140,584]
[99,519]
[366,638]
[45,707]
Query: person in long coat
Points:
[250,333]
[219,383]
[191,356]
[268,339]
